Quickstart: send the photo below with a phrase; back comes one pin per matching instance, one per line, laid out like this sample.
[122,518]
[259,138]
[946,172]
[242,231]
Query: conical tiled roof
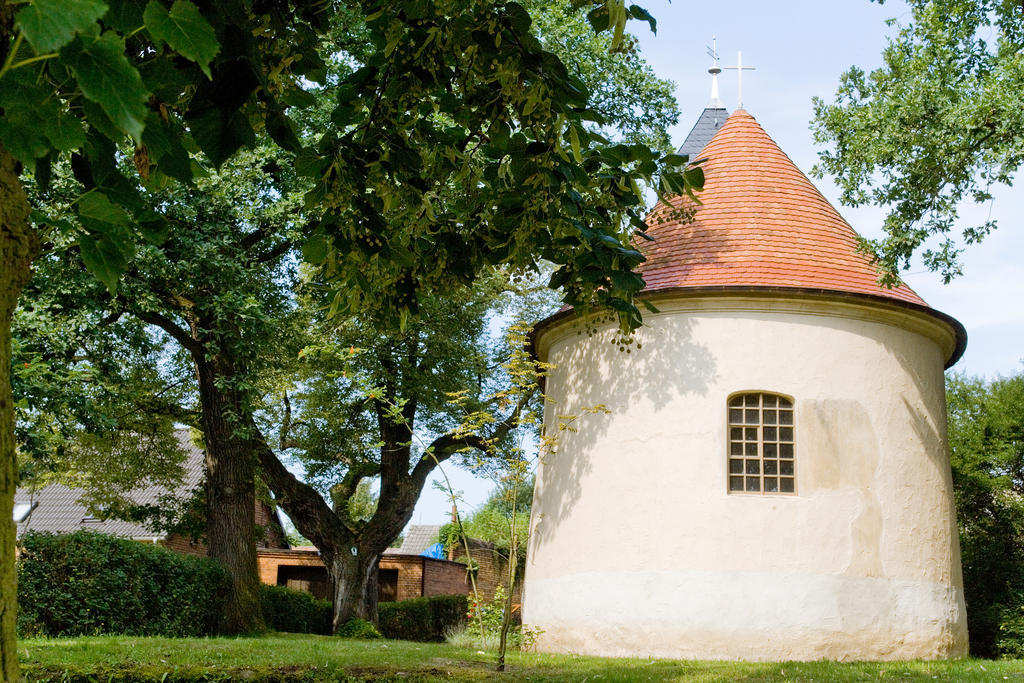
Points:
[761,223]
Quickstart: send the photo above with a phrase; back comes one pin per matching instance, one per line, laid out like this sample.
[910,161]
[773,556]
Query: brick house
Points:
[403,572]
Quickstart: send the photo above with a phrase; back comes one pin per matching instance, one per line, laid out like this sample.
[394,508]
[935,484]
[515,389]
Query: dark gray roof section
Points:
[711,119]
[58,509]
[418,538]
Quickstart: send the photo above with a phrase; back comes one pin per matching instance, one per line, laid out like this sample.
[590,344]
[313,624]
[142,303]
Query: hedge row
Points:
[89,583]
[423,619]
[286,609]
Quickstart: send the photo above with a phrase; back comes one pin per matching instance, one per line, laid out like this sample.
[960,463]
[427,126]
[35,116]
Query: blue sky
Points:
[799,49]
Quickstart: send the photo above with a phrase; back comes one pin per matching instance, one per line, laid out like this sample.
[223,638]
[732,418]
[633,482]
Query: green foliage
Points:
[184,29]
[90,583]
[937,125]
[483,628]
[637,106]
[986,436]
[358,628]
[422,619]
[294,611]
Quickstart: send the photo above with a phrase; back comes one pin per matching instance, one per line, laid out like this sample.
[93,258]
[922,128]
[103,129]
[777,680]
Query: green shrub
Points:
[286,609]
[423,619]
[90,583]
[359,628]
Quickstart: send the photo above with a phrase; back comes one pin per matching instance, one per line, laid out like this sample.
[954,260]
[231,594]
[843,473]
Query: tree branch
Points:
[447,445]
[312,516]
[170,327]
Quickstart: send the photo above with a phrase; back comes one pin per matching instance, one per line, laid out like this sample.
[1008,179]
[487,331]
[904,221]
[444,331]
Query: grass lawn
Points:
[287,657]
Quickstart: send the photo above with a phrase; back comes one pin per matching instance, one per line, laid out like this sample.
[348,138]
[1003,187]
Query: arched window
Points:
[761,458]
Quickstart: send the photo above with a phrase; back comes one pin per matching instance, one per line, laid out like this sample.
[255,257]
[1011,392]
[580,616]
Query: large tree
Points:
[169,288]
[986,437]
[372,404]
[215,296]
[81,78]
[936,126]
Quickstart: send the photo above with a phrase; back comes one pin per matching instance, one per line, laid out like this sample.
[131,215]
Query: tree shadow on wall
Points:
[642,385]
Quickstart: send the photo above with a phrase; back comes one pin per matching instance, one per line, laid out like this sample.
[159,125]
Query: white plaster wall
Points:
[638,549]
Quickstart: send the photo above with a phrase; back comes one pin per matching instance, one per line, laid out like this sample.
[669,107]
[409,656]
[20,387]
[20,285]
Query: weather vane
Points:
[714,70]
[739,76]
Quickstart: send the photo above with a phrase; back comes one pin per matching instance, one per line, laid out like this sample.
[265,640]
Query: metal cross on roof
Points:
[739,76]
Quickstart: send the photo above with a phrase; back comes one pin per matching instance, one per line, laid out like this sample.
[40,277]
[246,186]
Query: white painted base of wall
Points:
[746,615]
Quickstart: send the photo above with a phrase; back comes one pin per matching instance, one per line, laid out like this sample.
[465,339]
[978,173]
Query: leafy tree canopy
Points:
[986,436]
[937,125]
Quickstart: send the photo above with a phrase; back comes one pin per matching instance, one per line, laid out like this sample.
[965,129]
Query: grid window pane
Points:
[761,447]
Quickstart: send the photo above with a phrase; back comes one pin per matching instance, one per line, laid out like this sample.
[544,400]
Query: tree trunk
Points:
[17,248]
[355,586]
[230,493]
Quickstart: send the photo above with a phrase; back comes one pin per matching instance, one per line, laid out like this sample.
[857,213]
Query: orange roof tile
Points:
[761,223]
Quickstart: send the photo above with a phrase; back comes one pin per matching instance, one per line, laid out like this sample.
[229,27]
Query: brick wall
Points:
[184,545]
[442,577]
[270,560]
[273,534]
[410,574]
[417,576]
[492,569]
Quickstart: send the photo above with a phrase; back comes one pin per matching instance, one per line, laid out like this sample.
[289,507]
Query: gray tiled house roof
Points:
[57,508]
[417,539]
[711,119]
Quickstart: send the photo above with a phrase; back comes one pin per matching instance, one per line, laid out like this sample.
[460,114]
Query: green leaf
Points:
[124,16]
[64,131]
[98,207]
[638,12]
[315,249]
[104,258]
[51,24]
[574,140]
[166,149]
[185,30]
[107,78]
[221,133]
